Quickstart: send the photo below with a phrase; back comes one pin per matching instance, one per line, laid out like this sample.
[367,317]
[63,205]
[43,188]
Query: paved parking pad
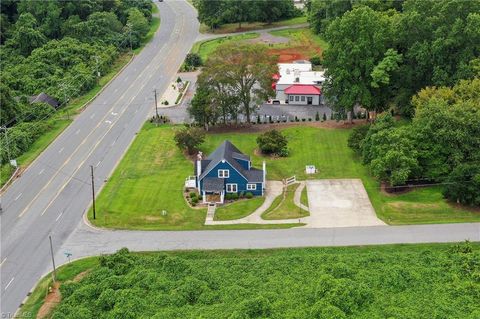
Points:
[339,203]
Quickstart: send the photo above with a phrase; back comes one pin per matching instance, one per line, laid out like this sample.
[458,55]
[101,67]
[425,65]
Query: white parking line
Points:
[41,172]
[61,150]
[3,261]
[59,217]
[108,122]
[114,142]
[9,283]
[78,131]
[91,116]
[18,196]
[98,163]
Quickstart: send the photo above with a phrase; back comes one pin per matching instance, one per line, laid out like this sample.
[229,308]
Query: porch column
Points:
[203,197]
[221,196]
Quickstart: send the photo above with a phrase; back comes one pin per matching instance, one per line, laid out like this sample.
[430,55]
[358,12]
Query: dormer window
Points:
[223,173]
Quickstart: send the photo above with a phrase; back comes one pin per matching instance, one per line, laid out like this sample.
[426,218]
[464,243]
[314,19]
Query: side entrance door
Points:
[309,100]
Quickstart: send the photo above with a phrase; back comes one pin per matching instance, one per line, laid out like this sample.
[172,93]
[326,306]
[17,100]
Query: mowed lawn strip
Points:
[286,208]
[304,196]
[151,178]
[238,209]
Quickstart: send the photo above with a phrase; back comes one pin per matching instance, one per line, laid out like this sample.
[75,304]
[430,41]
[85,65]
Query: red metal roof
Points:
[303,89]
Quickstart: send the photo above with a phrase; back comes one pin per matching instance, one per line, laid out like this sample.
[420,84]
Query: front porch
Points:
[213,197]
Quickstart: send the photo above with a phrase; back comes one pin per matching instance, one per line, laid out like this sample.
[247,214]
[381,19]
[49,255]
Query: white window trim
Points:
[231,187]
[290,98]
[251,187]
[223,173]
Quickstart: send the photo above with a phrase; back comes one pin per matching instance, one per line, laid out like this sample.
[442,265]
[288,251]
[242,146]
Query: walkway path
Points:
[209,36]
[298,194]
[274,189]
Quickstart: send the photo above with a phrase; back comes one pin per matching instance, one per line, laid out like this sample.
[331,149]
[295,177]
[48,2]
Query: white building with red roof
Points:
[297,83]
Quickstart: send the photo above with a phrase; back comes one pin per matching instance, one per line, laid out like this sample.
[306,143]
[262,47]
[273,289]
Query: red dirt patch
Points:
[287,55]
[51,301]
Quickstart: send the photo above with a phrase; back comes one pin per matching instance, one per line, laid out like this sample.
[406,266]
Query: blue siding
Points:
[235,178]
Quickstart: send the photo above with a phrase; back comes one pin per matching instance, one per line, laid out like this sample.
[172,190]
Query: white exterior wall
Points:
[315,99]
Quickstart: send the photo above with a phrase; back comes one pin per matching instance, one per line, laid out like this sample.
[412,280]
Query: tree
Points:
[246,69]
[25,35]
[359,48]
[463,184]
[10,108]
[202,108]
[136,27]
[193,59]
[356,138]
[189,139]
[273,142]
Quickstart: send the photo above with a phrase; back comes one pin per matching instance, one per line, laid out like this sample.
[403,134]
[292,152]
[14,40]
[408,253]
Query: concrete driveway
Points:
[339,203]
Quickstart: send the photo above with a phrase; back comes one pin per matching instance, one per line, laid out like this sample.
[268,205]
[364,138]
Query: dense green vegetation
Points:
[60,48]
[441,145]
[397,281]
[150,178]
[252,26]
[383,52]
[216,13]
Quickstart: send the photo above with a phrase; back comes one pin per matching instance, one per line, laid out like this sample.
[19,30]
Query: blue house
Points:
[227,170]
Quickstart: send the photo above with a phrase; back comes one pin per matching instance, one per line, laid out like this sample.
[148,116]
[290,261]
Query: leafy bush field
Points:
[397,281]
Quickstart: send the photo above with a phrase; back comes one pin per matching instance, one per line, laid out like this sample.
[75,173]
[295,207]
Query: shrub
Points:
[234,196]
[242,194]
[194,200]
[317,117]
[463,184]
[309,119]
[193,59]
[296,118]
[356,138]
[316,60]
[272,142]
[192,194]
[228,196]
[249,195]
[303,120]
[258,119]
[189,138]
[324,116]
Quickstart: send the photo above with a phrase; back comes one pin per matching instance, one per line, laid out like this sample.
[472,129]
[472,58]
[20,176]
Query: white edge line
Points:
[9,283]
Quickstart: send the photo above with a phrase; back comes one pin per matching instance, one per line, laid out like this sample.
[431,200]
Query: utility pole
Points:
[54,274]
[6,142]
[156,104]
[64,89]
[97,74]
[93,192]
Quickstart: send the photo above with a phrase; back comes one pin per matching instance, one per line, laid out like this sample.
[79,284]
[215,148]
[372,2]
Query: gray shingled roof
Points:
[227,151]
[44,98]
[213,184]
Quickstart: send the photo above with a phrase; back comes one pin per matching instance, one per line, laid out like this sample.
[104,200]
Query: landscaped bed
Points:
[151,178]
[206,47]
[394,281]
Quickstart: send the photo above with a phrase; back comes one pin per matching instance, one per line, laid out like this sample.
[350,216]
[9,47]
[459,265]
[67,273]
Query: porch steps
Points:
[210,213]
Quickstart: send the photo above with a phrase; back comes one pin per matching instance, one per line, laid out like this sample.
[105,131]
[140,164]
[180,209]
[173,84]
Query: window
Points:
[291,98]
[251,187]
[223,173]
[231,188]
[297,98]
[303,98]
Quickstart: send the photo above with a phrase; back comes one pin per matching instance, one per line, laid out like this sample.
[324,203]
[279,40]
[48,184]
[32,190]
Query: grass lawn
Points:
[304,197]
[151,176]
[392,281]
[283,206]
[233,27]
[238,209]
[303,44]
[206,47]
[60,120]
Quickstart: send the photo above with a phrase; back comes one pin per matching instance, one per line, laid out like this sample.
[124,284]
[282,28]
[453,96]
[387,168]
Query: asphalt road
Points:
[87,241]
[53,193]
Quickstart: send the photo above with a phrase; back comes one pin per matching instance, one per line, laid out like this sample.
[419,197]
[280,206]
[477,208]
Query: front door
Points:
[309,100]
